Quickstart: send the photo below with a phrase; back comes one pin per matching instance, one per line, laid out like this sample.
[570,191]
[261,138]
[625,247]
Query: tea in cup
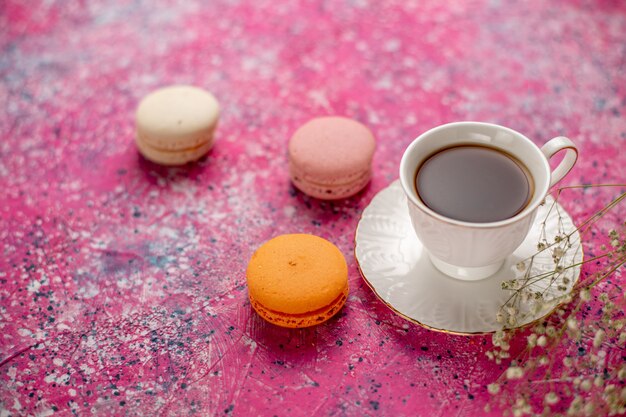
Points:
[473,190]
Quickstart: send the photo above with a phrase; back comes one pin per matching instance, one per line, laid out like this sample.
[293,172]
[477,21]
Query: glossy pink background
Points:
[122,283]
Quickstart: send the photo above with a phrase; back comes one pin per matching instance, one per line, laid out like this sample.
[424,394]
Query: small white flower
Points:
[497,337]
[585,294]
[542,341]
[586,385]
[551,398]
[598,381]
[572,324]
[598,338]
[557,253]
[610,389]
[532,340]
[500,317]
[514,372]
[575,406]
[493,389]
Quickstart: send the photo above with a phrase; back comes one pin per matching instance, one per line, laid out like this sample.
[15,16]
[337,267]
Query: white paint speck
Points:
[289,211]
[24,332]
[392,45]
[373,117]
[168,232]
[319,97]
[86,369]
[384,83]
[33,286]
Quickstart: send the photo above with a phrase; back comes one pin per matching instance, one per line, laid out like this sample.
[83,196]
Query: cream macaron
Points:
[331,157]
[176,124]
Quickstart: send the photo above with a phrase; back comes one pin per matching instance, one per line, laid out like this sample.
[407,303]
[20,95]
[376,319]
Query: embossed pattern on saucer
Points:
[395,265]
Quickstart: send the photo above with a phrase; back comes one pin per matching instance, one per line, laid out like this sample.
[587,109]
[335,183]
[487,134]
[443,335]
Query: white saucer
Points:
[394,264]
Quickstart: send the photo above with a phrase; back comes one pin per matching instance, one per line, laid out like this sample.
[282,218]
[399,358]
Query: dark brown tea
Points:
[474,183]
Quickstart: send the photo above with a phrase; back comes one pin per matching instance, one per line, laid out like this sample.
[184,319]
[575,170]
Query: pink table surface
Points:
[122,283]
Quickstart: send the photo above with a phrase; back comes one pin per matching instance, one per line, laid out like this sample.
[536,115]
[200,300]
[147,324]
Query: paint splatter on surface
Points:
[122,286]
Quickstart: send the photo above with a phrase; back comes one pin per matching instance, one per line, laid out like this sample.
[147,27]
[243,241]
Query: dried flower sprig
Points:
[573,362]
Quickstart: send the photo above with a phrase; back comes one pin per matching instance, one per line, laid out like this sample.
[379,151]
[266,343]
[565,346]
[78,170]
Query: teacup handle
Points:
[552,147]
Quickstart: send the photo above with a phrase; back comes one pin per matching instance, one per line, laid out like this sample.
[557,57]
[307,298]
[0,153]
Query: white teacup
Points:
[473,251]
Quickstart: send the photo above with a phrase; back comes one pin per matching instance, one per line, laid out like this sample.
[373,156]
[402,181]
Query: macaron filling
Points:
[340,190]
[306,319]
[183,148]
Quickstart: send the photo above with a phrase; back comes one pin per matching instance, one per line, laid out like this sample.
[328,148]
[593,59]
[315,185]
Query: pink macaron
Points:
[331,157]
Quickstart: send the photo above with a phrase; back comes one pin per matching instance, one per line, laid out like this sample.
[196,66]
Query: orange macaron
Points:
[297,280]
